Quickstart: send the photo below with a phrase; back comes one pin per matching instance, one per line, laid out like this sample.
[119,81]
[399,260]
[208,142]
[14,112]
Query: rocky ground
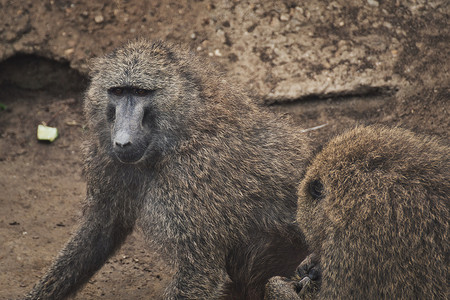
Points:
[338,63]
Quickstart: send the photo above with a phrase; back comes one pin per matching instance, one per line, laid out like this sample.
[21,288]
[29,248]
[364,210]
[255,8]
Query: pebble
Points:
[284,17]
[99,19]
[69,51]
[373,3]
[387,25]
[274,22]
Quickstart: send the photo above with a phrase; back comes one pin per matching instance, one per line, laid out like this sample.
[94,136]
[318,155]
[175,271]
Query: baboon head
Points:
[140,99]
[359,178]
[347,184]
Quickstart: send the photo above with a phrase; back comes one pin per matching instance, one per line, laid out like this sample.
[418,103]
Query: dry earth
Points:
[339,63]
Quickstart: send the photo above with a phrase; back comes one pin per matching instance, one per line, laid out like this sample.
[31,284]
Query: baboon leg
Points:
[198,282]
[253,263]
[97,238]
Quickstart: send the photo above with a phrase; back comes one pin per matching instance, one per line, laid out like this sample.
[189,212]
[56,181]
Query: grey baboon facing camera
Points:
[374,209]
[208,176]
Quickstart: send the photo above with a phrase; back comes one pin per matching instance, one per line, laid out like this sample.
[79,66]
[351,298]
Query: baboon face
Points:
[139,101]
[129,115]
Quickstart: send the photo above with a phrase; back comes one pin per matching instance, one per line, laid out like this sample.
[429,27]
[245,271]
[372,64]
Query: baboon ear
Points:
[315,189]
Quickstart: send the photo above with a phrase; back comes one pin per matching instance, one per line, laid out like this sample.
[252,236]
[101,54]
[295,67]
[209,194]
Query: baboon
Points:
[208,176]
[374,210]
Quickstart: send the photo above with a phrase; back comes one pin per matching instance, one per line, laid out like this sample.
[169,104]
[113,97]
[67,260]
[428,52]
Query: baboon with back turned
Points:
[374,209]
[208,176]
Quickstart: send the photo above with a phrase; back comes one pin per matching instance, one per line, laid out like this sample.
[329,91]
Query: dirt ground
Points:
[41,185]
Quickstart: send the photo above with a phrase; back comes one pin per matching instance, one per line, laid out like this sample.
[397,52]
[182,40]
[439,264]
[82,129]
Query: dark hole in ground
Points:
[32,72]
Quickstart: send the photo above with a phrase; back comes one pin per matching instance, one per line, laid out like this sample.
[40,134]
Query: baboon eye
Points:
[118,91]
[315,188]
[141,92]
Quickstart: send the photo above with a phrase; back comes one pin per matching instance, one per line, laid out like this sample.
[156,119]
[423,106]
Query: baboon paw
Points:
[307,277]
[309,267]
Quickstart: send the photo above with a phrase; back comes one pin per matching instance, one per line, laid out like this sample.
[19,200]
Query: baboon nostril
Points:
[122,145]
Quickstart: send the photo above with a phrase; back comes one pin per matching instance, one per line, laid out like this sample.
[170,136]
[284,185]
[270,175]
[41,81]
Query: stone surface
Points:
[280,49]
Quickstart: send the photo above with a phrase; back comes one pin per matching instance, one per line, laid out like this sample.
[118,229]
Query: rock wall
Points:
[283,50]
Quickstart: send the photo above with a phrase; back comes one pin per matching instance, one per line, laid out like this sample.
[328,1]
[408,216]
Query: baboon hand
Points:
[309,267]
[308,275]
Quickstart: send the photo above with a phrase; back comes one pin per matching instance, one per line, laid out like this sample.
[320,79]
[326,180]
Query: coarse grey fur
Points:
[374,208]
[206,175]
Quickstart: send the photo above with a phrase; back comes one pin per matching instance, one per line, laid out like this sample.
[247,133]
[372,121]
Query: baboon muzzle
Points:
[128,132]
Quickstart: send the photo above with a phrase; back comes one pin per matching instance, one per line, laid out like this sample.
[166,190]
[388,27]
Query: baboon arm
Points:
[98,236]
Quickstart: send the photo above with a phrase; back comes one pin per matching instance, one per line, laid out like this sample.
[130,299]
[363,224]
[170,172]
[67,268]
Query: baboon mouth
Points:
[129,157]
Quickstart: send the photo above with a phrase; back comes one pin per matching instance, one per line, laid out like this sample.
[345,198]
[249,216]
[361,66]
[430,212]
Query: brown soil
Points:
[41,183]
